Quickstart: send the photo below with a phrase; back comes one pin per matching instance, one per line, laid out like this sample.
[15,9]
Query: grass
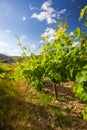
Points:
[23,108]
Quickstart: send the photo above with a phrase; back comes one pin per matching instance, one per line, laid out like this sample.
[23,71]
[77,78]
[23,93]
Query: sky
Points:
[29,18]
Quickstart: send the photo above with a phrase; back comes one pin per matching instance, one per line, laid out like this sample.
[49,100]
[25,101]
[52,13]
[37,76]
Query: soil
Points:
[70,106]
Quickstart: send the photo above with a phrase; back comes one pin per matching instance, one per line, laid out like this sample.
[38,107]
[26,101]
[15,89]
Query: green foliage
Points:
[45,97]
[18,71]
[53,55]
[80,88]
[82,13]
[6,94]
[77,33]
[81,76]
[6,71]
[80,92]
[85,113]
[59,60]
[31,69]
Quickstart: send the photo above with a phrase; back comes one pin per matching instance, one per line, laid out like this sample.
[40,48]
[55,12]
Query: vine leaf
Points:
[82,12]
[77,33]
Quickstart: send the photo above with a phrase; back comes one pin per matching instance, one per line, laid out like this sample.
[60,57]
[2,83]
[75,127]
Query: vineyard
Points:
[48,91]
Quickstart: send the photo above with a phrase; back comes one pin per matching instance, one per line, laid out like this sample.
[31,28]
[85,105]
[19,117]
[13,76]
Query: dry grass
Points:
[22,108]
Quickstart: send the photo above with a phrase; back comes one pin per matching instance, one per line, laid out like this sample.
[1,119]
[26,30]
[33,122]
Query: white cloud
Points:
[71,33]
[62,11]
[4,50]
[1,50]
[50,34]
[48,13]
[32,8]
[75,43]
[41,41]
[8,43]
[33,46]
[46,6]
[16,52]
[8,31]
[4,44]
[23,18]
[44,16]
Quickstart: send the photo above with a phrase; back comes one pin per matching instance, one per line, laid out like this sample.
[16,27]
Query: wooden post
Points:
[55,90]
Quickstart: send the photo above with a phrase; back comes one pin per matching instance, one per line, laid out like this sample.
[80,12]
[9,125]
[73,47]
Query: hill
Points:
[4,58]
[9,59]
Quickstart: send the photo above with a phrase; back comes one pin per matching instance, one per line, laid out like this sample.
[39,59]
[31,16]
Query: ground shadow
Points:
[17,113]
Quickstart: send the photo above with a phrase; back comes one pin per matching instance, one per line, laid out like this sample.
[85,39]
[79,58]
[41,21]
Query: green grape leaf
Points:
[23,54]
[45,39]
[19,43]
[82,12]
[77,33]
[24,47]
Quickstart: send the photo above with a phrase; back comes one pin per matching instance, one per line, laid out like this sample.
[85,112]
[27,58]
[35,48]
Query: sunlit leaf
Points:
[45,39]
[19,43]
[24,47]
[23,54]
[77,33]
[83,12]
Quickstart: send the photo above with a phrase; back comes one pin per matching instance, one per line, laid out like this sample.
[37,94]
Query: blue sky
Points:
[28,18]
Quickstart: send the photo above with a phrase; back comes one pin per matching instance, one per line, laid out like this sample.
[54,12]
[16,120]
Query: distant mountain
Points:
[15,58]
[9,59]
[4,57]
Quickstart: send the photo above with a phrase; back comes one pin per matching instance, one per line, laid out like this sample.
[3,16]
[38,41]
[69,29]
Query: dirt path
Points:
[70,107]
